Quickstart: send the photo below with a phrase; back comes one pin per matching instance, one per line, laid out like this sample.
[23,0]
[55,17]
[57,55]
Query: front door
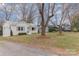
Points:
[11,33]
[1,30]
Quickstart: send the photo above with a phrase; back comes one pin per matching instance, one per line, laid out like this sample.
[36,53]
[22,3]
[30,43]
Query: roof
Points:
[6,23]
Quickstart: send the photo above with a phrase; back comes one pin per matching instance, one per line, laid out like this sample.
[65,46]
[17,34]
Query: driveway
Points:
[17,49]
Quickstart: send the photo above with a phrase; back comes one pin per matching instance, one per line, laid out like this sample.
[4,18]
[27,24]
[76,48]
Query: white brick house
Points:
[14,28]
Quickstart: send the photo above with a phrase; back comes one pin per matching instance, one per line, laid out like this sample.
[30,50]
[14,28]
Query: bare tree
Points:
[64,13]
[32,13]
[27,12]
[74,10]
[23,11]
[8,10]
[55,22]
[46,12]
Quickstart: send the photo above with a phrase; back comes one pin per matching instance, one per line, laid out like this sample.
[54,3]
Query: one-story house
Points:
[14,28]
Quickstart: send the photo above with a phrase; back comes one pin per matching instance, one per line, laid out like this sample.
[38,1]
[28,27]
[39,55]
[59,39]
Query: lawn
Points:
[68,41]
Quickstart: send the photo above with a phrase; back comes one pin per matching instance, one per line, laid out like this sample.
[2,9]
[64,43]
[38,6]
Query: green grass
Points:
[69,40]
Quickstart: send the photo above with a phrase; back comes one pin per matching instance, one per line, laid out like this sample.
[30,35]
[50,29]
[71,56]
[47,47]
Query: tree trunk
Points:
[43,31]
[60,30]
[42,21]
[42,27]
[71,28]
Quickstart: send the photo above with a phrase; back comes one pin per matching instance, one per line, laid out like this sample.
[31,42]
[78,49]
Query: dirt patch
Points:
[58,51]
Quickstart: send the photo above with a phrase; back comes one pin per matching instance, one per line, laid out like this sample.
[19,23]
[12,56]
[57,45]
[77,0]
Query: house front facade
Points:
[15,28]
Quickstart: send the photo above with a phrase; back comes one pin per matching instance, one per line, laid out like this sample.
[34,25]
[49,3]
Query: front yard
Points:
[67,44]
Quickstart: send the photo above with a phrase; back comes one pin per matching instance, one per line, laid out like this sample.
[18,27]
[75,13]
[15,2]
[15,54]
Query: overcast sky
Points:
[15,16]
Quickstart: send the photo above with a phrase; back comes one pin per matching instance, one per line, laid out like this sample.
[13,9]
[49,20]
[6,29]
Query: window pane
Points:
[19,28]
[33,28]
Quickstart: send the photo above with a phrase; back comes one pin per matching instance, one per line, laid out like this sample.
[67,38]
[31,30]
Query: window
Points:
[20,28]
[33,28]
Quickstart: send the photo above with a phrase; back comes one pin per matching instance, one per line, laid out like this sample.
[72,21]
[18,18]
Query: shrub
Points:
[22,34]
[51,29]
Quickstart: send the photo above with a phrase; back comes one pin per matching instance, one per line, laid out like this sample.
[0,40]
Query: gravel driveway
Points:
[17,49]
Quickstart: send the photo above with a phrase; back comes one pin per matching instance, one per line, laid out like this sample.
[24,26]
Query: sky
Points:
[14,15]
